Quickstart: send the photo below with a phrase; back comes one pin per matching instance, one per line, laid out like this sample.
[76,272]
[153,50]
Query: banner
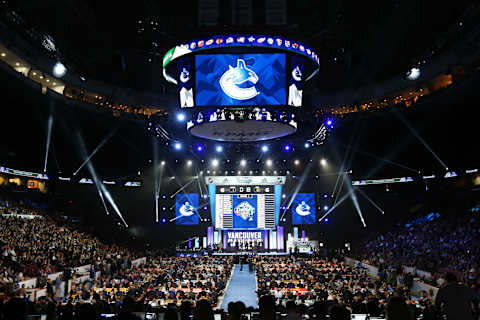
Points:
[303,209]
[186,209]
[234,237]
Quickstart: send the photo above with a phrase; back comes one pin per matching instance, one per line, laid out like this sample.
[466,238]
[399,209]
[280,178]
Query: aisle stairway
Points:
[242,287]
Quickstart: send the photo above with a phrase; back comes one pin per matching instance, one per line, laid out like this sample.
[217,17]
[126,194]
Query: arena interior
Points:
[239,159]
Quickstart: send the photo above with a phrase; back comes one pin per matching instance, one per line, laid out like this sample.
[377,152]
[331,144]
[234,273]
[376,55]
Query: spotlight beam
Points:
[415,133]
[381,159]
[182,188]
[370,200]
[343,198]
[100,145]
[357,207]
[49,137]
[103,200]
[98,184]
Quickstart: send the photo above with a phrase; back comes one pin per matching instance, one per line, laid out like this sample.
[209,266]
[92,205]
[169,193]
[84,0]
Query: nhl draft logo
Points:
[186,209]
[303,209]
[233,77]
[245,211]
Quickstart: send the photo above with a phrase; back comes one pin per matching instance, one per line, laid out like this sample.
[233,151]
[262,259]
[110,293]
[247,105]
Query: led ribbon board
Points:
[260,41]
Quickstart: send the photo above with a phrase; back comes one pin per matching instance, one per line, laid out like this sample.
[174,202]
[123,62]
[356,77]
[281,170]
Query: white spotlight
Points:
[189,162]
[180,117]
[323,162]
[269,162]
[243,162]
[413,74]
[162,163]
[296,162]
[219,148]
[214,162]
[177,145]
[59,70]
[264,148]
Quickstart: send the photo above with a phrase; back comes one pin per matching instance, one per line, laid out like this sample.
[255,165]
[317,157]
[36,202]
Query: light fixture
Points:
[264,148]
[219,149]
[177,145]
[3,54]
[413,74]
[59,70]
[214,162]
[181,117]
[189,162]
[162,163]
[296,162]
[323,162]
[306,145]
[269,162]
[243,162]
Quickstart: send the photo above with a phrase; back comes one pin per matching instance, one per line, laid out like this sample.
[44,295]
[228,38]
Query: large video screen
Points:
[303,208]
[245,207]
[186,209]
[240,79]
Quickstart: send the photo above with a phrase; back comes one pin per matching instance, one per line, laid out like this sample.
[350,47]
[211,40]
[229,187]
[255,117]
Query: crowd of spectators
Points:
[318,286]
[293,286]
[443,245]
[38,246]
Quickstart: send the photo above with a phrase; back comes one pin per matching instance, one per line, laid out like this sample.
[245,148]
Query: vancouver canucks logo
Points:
[186,209]
[245,211]
[234,77]
[297,74]
[303,209]
[184,75]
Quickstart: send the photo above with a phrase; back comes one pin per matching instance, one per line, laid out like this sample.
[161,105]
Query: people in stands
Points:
[456,300]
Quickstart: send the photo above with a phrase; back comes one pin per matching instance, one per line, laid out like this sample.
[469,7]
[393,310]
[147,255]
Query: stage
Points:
[198,254]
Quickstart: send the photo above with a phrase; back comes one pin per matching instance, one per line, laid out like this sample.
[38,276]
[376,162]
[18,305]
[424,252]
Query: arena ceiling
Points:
[359,43]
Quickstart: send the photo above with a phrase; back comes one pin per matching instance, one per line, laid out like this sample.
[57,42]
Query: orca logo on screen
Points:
[297,74]
[184,76]
[303,209]
[233,77]
[186,209]
[245,211]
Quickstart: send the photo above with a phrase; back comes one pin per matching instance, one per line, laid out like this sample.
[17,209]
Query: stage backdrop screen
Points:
[240,79]
[303,209]
[186,209]
[245,207]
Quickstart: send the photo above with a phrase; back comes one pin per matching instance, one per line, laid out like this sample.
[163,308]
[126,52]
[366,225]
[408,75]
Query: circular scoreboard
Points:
[240,87]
